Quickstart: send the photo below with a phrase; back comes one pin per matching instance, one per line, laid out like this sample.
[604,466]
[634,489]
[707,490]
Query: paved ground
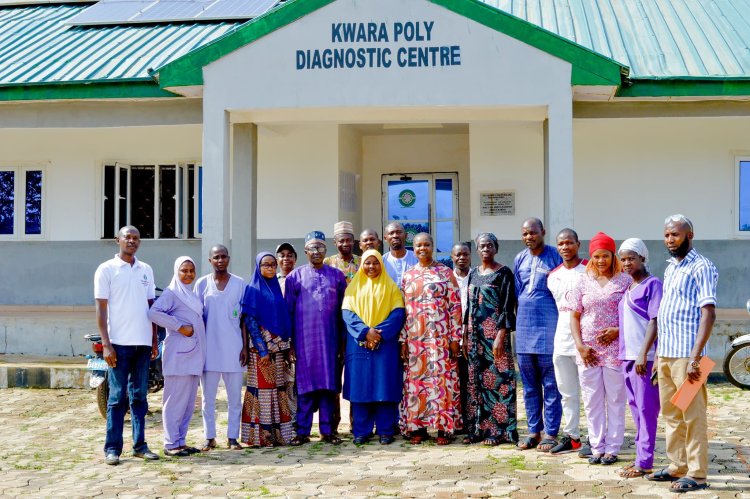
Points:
[52,439]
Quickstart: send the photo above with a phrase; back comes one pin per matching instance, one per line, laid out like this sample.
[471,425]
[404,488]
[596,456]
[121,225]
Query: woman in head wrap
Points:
[430,346]
[639,308]
[180,312]
[266,418]
[374,315]
[490,318]
[594,326]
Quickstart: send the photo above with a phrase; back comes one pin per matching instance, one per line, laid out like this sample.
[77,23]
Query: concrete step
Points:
[34,371]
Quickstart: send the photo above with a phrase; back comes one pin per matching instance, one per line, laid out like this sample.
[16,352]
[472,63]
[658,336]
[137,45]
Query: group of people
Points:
[421,346]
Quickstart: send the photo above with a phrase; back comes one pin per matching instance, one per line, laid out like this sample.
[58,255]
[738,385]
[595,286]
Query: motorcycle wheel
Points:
[102,394]
[737,366]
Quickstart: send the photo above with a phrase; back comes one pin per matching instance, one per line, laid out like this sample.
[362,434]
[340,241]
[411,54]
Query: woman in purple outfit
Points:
[638,310]
[180,312]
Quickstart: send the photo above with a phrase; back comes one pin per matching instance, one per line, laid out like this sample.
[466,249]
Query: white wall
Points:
[507,156]
[350,163]
[632,173]
[73,160]
[495,69]
[404,153]
[298,168]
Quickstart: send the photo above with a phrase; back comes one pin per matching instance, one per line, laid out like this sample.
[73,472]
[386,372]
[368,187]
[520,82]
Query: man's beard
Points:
[681,250]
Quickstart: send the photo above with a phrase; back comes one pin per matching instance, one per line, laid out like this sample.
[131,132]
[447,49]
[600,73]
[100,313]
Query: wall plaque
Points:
[494,204]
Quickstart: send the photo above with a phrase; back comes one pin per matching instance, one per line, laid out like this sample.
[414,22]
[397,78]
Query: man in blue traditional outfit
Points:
[314,294]
[536,323]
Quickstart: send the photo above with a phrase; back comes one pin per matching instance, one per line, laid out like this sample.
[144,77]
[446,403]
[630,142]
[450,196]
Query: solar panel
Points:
[228,9]
[174,10]
[154,11]
[111,12]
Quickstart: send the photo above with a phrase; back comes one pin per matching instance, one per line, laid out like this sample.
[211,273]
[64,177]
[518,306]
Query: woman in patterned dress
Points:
[430,347]
[266,418]
[594,325]
[490,318]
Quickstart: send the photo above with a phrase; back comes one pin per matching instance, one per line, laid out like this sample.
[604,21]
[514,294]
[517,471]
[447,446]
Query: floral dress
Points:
[491,398]
[433,321]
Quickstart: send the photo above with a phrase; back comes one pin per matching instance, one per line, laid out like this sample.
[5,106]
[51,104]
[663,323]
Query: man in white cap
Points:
[346,261]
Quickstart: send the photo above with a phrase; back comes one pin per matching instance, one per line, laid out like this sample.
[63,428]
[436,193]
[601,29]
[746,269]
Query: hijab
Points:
[264,302]
[183,292]
[372,299]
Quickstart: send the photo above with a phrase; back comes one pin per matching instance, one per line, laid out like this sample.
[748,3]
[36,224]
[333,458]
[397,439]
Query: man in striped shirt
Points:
[686,318]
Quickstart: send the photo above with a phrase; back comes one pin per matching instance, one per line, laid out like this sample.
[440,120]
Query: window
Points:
[162,201]
[21,203]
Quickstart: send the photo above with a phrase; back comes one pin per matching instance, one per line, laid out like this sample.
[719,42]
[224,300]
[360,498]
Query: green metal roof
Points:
[655,38]
[37,47]
[672,47]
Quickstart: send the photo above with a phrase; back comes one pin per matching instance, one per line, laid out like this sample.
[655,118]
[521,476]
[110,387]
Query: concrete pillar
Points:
[244,198]
[558,169]
[216,172]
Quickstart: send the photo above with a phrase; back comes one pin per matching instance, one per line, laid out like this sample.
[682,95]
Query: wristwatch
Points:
[695,364]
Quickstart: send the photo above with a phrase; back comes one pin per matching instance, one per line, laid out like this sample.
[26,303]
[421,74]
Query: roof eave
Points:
[589,67]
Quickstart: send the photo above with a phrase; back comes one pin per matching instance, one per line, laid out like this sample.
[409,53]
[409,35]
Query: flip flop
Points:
[662,476]
[528,443]
[632,471]
[687,485]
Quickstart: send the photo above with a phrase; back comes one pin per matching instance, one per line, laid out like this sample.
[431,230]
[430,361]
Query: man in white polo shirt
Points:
[124,290]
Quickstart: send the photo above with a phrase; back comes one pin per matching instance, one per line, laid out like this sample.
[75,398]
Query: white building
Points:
[453,115]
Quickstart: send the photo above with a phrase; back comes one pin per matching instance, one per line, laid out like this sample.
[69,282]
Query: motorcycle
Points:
[737,361]
[99,370]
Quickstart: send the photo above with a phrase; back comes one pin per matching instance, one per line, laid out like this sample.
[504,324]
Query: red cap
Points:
[602,241]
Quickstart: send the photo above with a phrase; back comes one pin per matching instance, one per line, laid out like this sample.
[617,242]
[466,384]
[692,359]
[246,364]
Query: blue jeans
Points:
[131,372]
[540,393]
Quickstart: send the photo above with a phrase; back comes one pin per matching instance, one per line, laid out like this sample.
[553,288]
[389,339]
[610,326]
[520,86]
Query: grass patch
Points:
[33,467]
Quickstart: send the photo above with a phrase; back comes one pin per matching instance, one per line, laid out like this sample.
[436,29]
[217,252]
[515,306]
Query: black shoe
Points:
[585,450]
[146,455]
[567,444]
[112,459]
[360,440]
[386,439]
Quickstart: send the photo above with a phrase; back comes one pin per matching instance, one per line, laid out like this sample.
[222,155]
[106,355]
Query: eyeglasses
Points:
[315,249]
[268,265]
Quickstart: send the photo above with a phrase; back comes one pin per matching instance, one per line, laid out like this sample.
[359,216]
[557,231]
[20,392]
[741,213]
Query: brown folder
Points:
[687,391]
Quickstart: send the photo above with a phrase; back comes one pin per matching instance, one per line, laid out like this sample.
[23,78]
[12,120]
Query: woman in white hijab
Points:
[180,312]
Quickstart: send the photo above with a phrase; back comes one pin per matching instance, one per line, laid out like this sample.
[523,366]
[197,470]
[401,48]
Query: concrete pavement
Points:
[52,440]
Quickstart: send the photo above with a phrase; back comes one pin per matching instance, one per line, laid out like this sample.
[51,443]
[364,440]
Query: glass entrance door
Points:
[424,203]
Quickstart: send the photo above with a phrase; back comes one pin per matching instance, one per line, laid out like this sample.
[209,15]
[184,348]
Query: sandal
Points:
[467,440]
[632,471]
[233,444]
[208,444]
[299,440]
[686,484]
[332,439]
[444,438]
[662,476]
[491,442]
[191,450]
[528,443]
[546,445]
[608,459]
